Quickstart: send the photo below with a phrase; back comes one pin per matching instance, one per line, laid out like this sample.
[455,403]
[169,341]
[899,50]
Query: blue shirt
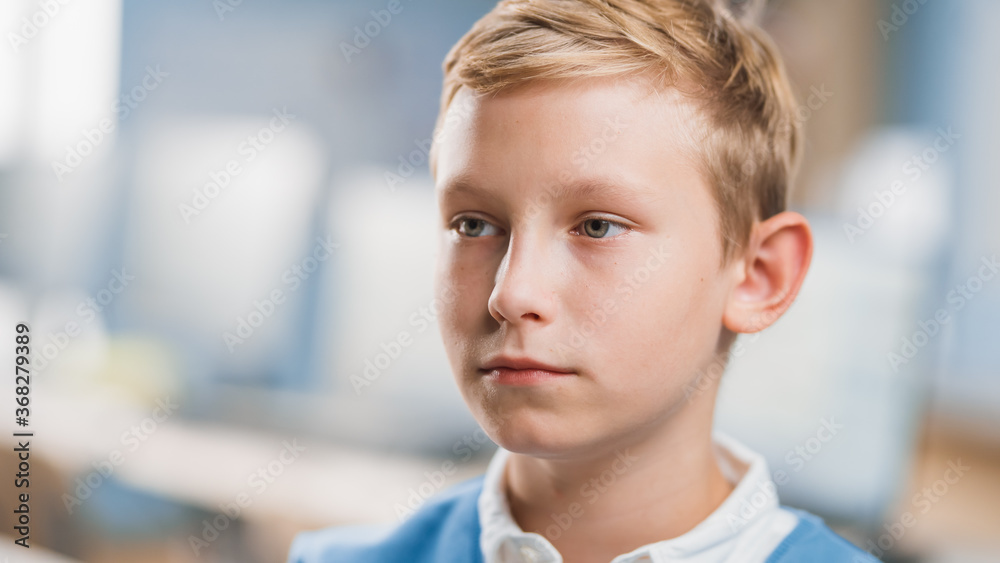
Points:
[471,523]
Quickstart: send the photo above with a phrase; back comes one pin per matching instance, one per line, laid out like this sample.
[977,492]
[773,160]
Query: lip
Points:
[505,370]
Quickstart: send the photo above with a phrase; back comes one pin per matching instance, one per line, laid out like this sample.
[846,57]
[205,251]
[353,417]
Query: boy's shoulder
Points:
[445,528]
[812,540]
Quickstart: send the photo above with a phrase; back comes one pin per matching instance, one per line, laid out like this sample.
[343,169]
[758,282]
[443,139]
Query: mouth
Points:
[521,371]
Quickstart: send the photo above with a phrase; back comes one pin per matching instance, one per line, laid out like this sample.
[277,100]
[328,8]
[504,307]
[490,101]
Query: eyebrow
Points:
[614,188]
[464,184]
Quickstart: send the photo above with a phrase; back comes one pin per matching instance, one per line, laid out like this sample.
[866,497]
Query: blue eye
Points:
[599,228]
[474,227]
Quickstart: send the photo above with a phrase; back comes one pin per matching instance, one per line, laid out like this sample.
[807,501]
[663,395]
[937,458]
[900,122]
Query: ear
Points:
[769,273]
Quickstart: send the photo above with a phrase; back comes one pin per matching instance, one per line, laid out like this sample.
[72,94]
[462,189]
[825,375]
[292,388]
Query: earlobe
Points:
[772,271]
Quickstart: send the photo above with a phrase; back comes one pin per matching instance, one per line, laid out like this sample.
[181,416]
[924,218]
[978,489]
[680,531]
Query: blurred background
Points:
[217,220]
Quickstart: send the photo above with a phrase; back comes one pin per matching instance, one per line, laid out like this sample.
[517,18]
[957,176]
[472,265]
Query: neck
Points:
[658,487]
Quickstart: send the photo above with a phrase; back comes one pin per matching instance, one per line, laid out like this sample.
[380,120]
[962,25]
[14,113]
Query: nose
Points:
[521,293]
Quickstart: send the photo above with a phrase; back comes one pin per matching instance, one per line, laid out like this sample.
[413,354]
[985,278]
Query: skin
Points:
[527,277]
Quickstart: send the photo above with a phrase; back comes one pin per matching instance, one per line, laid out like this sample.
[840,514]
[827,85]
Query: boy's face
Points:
[577,231]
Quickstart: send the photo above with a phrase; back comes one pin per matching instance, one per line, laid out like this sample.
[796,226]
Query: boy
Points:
[612,178]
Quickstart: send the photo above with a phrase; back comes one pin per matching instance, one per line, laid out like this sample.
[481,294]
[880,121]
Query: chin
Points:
[542,435]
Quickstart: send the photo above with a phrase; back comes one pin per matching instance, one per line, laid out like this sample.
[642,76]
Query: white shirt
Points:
[746,527]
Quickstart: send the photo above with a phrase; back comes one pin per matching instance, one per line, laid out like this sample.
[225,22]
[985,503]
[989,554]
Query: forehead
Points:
[596,129]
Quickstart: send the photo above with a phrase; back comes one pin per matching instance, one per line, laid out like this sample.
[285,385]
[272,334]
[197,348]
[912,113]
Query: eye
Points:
[600,228]
[475,227]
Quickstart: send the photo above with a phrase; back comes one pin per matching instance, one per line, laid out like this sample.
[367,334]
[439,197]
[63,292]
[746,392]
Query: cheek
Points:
[469,281]
[664,328]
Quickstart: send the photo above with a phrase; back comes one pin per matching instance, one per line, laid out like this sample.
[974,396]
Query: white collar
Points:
[750,520]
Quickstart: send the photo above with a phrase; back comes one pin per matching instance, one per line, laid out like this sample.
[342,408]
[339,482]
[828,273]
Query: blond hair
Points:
[750,141]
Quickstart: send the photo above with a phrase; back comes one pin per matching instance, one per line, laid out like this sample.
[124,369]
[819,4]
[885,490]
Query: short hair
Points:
[749,140]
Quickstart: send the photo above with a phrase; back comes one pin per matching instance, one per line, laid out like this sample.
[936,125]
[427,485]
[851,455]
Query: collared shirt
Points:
[746,527]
